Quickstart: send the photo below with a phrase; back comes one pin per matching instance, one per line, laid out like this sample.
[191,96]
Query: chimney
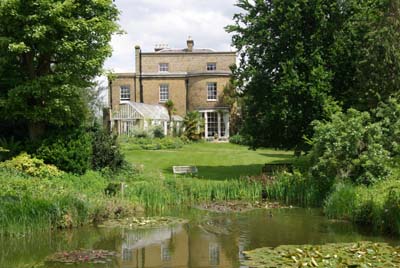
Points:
[190,44]
[138,69]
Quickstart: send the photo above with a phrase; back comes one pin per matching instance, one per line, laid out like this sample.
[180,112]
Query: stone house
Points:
[193,79]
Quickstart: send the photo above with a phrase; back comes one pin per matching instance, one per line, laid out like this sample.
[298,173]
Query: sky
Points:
[150,22]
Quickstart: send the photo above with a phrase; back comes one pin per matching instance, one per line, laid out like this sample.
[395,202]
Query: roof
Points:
[149,111]
[177,50]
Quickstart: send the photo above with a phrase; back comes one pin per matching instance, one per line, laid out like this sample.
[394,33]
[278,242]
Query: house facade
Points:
[193,79]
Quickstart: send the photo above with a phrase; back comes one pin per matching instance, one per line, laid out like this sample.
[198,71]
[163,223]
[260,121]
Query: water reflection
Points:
[208,240]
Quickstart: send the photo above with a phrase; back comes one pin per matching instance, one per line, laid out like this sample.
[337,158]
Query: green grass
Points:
[215,161]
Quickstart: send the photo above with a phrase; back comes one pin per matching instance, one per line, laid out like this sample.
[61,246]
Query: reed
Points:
[294,189]
[162,194]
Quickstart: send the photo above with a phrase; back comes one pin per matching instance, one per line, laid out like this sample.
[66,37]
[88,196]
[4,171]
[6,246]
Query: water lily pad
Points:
[341,255]
[82,256]
[143,222]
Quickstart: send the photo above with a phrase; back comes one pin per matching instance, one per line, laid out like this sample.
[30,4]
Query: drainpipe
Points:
[187,95]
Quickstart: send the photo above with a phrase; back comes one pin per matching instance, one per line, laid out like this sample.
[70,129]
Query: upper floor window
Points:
[125,93]
[163,67]
[211,66]
[212,91]
[164,92]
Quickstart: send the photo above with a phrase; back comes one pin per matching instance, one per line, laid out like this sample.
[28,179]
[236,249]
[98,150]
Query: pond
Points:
[207,240]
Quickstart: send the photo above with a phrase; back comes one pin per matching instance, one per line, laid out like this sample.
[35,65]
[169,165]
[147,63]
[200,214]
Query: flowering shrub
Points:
[31,166]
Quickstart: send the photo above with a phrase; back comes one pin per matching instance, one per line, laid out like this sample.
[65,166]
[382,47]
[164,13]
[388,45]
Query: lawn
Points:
[217,161]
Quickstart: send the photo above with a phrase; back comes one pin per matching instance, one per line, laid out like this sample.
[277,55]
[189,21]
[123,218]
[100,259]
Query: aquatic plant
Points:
[158,194]
[82,256]
[142,222]
[361,254]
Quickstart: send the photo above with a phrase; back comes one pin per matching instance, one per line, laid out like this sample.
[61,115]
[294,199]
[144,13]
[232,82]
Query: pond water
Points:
[209,240]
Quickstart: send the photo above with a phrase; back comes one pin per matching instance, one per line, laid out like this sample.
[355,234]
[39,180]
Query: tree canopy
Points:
[50,50]
[300,60]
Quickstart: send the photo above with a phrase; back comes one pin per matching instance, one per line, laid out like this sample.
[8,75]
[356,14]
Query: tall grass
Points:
[162,194]
[295,189]
[29,203]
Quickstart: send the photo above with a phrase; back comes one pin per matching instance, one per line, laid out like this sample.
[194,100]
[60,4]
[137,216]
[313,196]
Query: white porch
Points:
[216,124]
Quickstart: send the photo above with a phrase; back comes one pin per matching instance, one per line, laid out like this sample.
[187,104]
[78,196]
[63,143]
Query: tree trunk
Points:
[36,130]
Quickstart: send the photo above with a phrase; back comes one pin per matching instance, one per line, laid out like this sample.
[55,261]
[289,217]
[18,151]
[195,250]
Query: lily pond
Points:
[202,239]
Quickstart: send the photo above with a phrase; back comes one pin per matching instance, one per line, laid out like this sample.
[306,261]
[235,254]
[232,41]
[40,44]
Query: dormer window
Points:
[163,67]
[211,66]
[125,93]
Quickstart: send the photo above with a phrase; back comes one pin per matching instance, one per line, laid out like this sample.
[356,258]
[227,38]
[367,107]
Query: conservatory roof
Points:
[148,111]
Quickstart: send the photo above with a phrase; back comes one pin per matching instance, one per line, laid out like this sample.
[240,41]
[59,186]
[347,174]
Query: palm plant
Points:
[194,126]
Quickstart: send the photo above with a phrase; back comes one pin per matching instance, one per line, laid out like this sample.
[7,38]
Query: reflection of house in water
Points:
[172,247]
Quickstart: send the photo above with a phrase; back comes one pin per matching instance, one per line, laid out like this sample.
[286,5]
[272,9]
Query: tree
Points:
[282,73]
[300,58]
[50,50]
[169,104]
[365,58]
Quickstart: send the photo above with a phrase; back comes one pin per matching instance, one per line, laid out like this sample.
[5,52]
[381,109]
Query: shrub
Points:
[141,133]
[71,153]
[158,132]
[154,144]
[31,166]
[237,139]
[349,147]
[106,151]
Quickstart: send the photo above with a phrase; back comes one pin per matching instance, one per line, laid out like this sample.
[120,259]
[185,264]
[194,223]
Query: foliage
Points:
[281,72]
[238,139]
[348,148]
[105,150]
[292,188]
[391,215]
[194,126]
[153,143]
[233,99]
[158,195]
[31,166]
[57,202]
[158,132]
[299,59]
[71,153]
[389,115]
[341,202]
[9,148]
[49,53]
[141,133]
[360,254]
[364,57]
[376,206]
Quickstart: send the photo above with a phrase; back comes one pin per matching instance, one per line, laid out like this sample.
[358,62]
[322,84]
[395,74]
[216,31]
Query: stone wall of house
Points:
[186,67]
[121,80]
[187,62]
[198,92]
[177,92]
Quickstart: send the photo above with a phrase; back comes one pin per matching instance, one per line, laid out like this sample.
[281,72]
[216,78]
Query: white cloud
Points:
[169,22]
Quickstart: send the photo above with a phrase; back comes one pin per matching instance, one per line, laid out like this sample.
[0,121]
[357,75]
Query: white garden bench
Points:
[185,170]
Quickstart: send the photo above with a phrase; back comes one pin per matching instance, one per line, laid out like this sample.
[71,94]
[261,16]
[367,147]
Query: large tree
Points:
[50,50]
[298,58]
